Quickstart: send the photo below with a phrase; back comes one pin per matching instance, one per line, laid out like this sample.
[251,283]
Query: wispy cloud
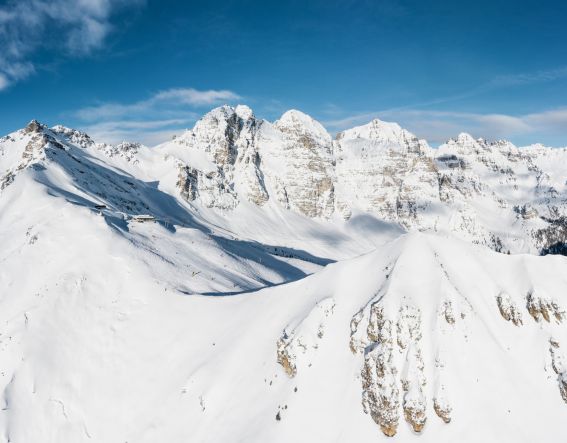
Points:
[148,132]
[196,98]
[171,97]
[497,83]
[3,82]
[73,27]
[152,120]
[529,78]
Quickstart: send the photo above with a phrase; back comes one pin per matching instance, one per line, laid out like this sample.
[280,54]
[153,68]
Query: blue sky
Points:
[146,69]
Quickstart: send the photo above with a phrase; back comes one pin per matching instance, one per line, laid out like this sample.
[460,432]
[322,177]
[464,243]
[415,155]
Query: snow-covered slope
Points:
[107,348]
[255,281]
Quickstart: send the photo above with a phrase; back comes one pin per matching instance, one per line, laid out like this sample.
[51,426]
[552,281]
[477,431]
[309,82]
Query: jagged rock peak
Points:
[60,129]
[465,137]
[75,136]
[467,144]
[34,127]
[223,121]
[226,112]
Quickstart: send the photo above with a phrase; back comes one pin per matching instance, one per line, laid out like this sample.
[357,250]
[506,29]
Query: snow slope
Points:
[283,286]
[113,352]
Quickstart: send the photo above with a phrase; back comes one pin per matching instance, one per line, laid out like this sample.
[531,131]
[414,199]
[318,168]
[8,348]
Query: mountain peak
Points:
[465,137]
[244,112]
[225,113]
[34,126]
[294,121]
[378,130]
[295,114]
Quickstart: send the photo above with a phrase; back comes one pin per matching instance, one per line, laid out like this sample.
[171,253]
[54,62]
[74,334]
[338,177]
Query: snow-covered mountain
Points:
[256,281]
[511,199]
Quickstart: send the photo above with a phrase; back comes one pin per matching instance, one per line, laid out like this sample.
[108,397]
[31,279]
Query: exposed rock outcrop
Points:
[557,362]
[393,369]
[227,163]
[442,409]
[508,309]
[541,307]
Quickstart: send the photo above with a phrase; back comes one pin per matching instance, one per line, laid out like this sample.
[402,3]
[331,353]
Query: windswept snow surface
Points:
[245,306]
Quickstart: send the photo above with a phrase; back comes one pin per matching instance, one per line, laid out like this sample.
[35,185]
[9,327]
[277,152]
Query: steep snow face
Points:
[403,341]
[22,149]
[415,334]
[297,125]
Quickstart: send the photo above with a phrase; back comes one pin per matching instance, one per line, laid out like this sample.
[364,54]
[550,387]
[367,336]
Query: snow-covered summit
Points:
[244,112]
[378,130]
[297,123]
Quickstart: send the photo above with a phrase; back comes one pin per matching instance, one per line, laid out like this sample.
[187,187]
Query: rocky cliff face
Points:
[238,157]
[386,170]
[299,153]
[226,159]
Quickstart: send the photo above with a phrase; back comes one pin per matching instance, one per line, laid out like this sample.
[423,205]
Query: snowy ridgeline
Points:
[232,164]
[255,281]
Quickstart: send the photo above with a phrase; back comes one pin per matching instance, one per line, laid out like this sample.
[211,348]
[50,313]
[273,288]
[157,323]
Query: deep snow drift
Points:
[259,282]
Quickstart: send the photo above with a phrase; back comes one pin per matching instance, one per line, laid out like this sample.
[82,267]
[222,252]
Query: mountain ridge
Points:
[230,157]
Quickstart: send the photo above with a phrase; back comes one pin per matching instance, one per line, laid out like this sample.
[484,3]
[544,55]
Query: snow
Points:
[375,130]
[294,120]
[210,322]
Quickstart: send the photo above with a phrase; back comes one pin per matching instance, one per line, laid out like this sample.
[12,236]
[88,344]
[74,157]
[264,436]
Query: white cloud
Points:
[554,120]
[350,121]
[111,110]
[168,99]
[3,82]
[148,132]
[194,97]
[529,78]
[152,120]
[74,27]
